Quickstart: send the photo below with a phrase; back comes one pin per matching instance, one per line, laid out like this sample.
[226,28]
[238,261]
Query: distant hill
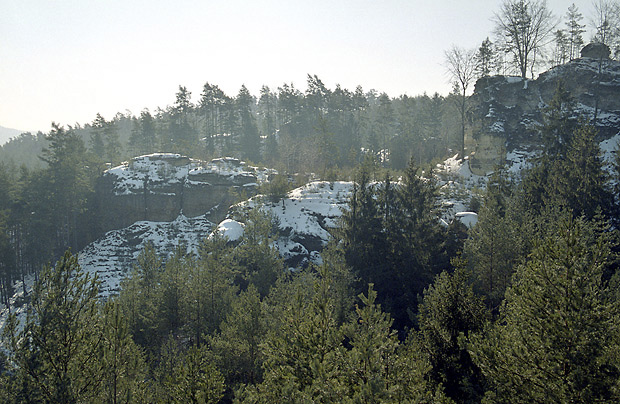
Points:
[7,133]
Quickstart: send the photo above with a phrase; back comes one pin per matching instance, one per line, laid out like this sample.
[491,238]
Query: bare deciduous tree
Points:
[461,65]
[606,23]
[525,27]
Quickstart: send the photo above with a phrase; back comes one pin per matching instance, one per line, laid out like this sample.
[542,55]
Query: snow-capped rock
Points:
[505,111]
[158,187]
[114,255]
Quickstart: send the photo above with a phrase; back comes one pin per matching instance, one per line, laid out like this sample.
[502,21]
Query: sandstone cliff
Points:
[504,111]
[159,187]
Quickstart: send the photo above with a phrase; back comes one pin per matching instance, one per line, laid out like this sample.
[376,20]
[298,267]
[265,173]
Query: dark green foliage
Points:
[257,261]
[569,172]
[558,325]
[208,288]
[450,311]
[391,237]
[68,183]
[499,240]
[277,188]
[559,121]
[194,379]
[238,343]
[123,369]
[302,347]
[181,136]
[371,363]
[249,142]
[228,323]
[143,137]
[139,297]
[57,353]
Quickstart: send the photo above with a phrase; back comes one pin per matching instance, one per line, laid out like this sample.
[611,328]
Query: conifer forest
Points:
[400,306]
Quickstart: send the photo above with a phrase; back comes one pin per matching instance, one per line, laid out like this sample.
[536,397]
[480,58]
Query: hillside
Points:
[6,134]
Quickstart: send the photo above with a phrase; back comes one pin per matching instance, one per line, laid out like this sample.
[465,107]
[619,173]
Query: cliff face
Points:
[504,111]
[159,187]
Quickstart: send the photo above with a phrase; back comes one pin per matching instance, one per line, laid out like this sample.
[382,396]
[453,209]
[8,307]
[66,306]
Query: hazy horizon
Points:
[67,61]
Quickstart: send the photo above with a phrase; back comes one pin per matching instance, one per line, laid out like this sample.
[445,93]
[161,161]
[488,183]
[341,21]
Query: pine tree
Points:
[552,340]
[575,31]
[69,184]
[249,136]
[485,59]
[183,137]
[143,136]
[450,311]
[140,294]
[303,346]
[256,259]
[97,137]
[124,371]
[58,351]
[195,379]
[208,289]
[238,343]
[370,364]
[582,182]
[496,244]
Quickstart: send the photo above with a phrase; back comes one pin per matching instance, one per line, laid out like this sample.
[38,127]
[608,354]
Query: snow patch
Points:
[231,229]
[469,219]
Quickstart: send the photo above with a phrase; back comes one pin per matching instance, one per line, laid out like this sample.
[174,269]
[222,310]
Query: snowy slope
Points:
[304,218]
[113,256]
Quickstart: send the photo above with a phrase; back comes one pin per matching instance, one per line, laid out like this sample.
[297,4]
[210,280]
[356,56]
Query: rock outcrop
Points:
[506,110]
[160,187]
[305,218]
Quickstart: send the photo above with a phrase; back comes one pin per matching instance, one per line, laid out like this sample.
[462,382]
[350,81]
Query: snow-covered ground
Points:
[113,256]
[168,168]
[304,218]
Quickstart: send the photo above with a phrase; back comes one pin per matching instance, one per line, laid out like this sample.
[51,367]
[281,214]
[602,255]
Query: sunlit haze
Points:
[66,61]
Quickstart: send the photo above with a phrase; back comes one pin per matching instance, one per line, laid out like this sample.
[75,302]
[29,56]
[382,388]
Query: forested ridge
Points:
[522,307]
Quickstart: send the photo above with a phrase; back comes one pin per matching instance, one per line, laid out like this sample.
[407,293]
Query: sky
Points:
[64,61]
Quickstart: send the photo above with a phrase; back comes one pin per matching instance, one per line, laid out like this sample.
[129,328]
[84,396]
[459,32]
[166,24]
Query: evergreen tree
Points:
[416,243]
[124,371]
[183,138]
[58,351]
[208,288]
[140,295]
[582,183]
[143,137]
[450,311]
[575,30]
[97,136]
[69,185]
[370,364]
[497,243]
[552,340]
[195,379]
[258,262]
[302,348]
[212,110]
[238,343]
[249,136]
[172,284]
[485,59]
[561,52]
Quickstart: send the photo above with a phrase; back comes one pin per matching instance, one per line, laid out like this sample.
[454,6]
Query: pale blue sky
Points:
[67,60]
